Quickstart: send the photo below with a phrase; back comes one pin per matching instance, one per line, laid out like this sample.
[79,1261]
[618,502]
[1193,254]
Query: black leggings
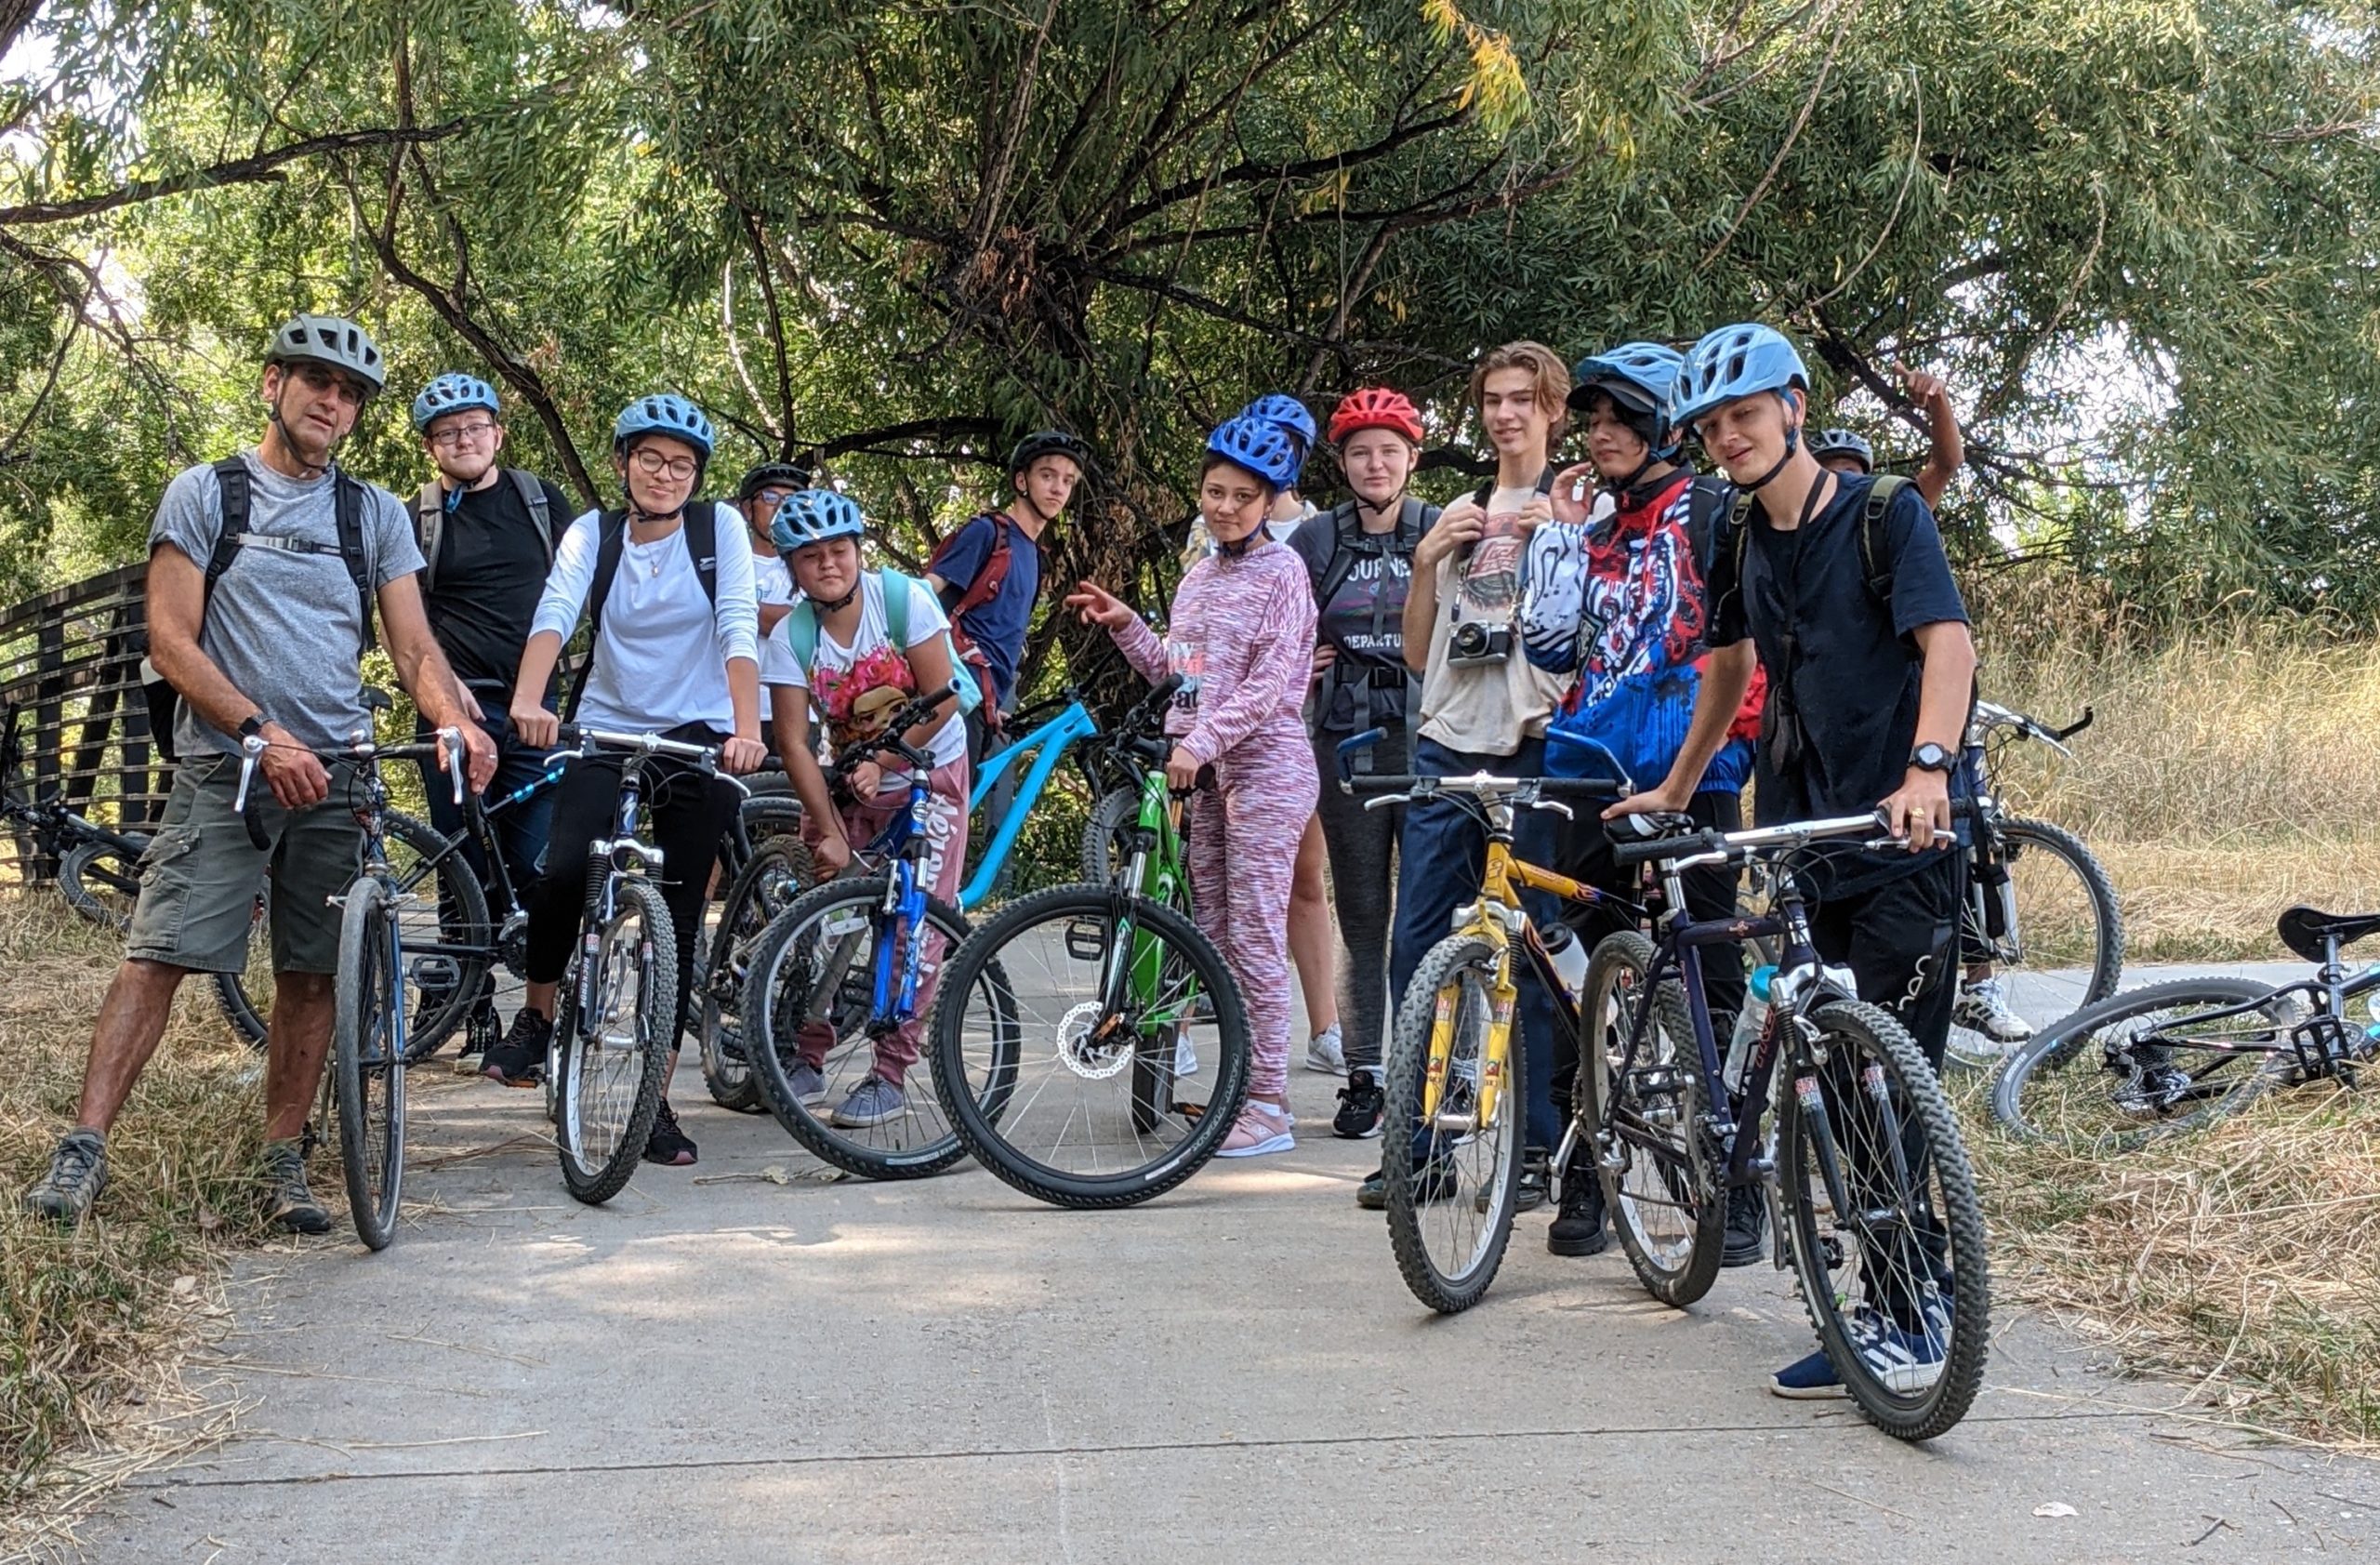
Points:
[689,812]
[1362,847]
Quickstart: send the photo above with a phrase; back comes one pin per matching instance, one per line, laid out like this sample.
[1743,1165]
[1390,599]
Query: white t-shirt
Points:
[770,581]
[858,687]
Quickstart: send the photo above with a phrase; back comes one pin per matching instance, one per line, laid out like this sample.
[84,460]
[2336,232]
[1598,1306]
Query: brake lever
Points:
[1555,806]
[453,740]
[251,750]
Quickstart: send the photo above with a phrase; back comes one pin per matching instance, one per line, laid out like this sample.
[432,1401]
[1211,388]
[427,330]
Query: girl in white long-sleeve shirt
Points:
[669,657]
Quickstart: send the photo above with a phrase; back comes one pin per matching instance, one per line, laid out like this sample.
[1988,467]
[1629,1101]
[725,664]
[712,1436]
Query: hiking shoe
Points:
[665,1143]
[1362,1101]
[1747,1227]
[288,1202]
[1434,1181]
[1577,1227]
[1982,1006]
[519,1060]
[78,1171]
[1325,1052]
[809,1085]
[873,1102]
[481,1034]
[1262,1128]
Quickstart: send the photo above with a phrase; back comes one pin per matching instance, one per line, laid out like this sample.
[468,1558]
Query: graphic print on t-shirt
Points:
[1641,608]
[1490,588]
[1365,619]
[860,700]
[1189,660]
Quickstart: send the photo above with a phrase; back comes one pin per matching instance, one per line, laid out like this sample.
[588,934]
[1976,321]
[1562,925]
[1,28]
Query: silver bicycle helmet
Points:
[332,341]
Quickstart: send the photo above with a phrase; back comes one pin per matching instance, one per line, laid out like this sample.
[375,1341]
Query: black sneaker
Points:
[1747,1227]
[78,1171]
[1577,1227]
[1362,1101]
[1432,1182]
[668,1146]
[288,1202]
[519,1060]
[1532,1190]
[482,1033]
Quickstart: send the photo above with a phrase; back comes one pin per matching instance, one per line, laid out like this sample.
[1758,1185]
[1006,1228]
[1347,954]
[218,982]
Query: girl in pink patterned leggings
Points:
[1242,638]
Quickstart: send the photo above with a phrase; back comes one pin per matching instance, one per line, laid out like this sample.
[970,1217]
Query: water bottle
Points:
[1569,955]
[1749,1022]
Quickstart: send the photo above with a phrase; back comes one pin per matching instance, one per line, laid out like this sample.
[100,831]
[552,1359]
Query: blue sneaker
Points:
[1807,1380]
[809,1086]
[873,1102]
[1906,1361]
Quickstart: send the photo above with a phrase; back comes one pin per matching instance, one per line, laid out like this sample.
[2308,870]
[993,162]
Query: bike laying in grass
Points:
[2182,1055]
[98,868]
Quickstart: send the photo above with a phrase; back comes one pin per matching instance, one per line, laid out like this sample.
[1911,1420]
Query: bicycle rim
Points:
[443,907]
[1091,1050]
[613,1053]
[1452,1176]
[368,1060]
[778,870]
[1658,1183]
[2053,938]
[245,997]
[1894,1274]
[2154,1061]
[829,1055]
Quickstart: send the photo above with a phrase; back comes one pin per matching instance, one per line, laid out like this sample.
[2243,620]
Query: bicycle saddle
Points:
[2304,929]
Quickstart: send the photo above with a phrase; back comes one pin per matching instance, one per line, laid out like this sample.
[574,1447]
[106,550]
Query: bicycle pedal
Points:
[1087,939]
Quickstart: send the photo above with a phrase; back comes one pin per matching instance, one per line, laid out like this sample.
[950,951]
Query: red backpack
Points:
[982,590]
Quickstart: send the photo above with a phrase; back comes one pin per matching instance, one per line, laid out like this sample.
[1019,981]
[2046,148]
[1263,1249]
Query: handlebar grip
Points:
[1353,743]
[1582,788]
[1654,850]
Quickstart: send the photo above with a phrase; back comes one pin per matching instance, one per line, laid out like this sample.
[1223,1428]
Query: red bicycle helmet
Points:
[1375,408]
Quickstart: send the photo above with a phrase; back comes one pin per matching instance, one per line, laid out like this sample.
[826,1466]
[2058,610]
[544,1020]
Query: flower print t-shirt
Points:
[857,688]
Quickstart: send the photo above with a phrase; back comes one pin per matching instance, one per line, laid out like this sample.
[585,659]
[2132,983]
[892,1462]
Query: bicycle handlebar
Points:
[448,742]
[1692,849]
[1527,793]
[895,736]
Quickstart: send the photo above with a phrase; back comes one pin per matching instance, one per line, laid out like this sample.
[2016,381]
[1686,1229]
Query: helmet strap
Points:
[308,470]
[838,604]
[1793,444]
[1263,533]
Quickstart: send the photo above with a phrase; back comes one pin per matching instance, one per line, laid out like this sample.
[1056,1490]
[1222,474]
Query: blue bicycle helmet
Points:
[667,413]
[452,394]
[1843,443]
[1277,408]
[1261,446]
[815,516]
[1736,361]
[1642,378]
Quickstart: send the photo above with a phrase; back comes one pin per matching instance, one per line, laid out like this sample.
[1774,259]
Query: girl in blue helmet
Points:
[1241,635]
[1871,671]
[667,582]
[859,645]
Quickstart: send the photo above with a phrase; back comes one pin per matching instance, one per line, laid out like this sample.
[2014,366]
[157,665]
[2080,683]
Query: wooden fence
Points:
[70,677]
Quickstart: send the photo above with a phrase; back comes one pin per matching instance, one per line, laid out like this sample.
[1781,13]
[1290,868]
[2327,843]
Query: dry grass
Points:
[92,1322]
[2245,1260]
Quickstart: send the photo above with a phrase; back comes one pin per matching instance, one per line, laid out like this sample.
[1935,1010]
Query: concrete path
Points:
[721,1368]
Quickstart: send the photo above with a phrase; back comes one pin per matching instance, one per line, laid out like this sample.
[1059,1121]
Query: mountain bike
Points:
[2177,1056]
[1873,1199]
[1456,1115]
[616,1023]
[98,868]
[1090,1046]
[368,1053]
[779,871]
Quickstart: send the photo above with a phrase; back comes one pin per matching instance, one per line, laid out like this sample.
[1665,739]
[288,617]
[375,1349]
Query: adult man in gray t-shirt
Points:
[273,648]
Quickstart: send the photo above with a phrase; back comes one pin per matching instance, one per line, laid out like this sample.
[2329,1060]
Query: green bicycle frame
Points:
[1154,870]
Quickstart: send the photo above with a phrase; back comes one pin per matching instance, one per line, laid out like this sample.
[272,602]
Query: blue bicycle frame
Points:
[1048,746]
[901,844]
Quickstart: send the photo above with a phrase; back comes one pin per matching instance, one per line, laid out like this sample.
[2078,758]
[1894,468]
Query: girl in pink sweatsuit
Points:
[1242,637]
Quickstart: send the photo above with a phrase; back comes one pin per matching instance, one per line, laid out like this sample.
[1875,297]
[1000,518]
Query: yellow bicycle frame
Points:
[1494,918]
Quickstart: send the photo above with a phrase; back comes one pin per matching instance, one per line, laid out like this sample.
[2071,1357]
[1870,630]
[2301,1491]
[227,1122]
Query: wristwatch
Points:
[1930,758]
[252,725]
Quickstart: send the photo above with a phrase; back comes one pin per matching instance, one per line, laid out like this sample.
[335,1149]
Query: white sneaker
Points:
[1982,1006]
[1185,1058]
[1324,1052]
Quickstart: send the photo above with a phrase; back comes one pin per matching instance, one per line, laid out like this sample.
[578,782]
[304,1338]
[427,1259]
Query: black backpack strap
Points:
[533,495]
[232,478]
[346,504]
[702,541]
[611,537]
[1875,544]
[1707,499]
[1346,530]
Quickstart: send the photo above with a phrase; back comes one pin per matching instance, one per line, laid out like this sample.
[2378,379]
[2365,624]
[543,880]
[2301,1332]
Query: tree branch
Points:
[247,170]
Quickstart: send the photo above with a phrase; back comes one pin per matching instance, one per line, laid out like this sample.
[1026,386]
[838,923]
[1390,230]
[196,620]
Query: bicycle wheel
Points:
[1090,1049]
[246,998]
[1452,1174]
[102,882]
[1881,1222]
[1659,1171]
[367,1060]
[822,1058]
[613,1031]
[1107,835]
[439,903]
[778,871]
[2051,937]
[2150,1062]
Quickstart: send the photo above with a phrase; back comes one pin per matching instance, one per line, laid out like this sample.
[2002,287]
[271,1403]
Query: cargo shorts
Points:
[202,874]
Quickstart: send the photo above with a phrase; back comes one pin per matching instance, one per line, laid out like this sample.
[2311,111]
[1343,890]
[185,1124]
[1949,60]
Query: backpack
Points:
[801,634]
[982,590]
[701,532]
[1349,546]
[430,521]
[1875,550]
[232,479]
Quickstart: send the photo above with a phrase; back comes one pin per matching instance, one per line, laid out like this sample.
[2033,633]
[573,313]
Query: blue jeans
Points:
[520,831]
[1439,864]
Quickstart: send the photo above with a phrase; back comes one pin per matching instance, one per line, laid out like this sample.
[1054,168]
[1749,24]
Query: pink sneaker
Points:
[1260,1128]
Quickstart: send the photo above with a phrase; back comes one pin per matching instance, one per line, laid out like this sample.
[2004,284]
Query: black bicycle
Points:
[1873,1200]
[2177,1056]
[98,866]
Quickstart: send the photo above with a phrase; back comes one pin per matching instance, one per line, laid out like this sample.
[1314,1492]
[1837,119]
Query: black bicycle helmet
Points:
[788,475]
[1048,443]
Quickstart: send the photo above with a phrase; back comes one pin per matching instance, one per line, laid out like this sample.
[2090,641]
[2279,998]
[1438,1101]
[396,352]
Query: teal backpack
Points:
[801,634]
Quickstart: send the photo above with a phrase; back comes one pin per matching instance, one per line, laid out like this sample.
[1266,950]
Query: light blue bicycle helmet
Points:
[1843,443]
[1278,407]
[452,392]
[1734,362]
[815,516]
[1643,379]
[1261,446]
[665,413]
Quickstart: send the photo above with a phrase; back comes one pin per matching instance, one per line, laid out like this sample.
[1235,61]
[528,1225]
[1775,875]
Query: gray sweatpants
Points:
[1362,846]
